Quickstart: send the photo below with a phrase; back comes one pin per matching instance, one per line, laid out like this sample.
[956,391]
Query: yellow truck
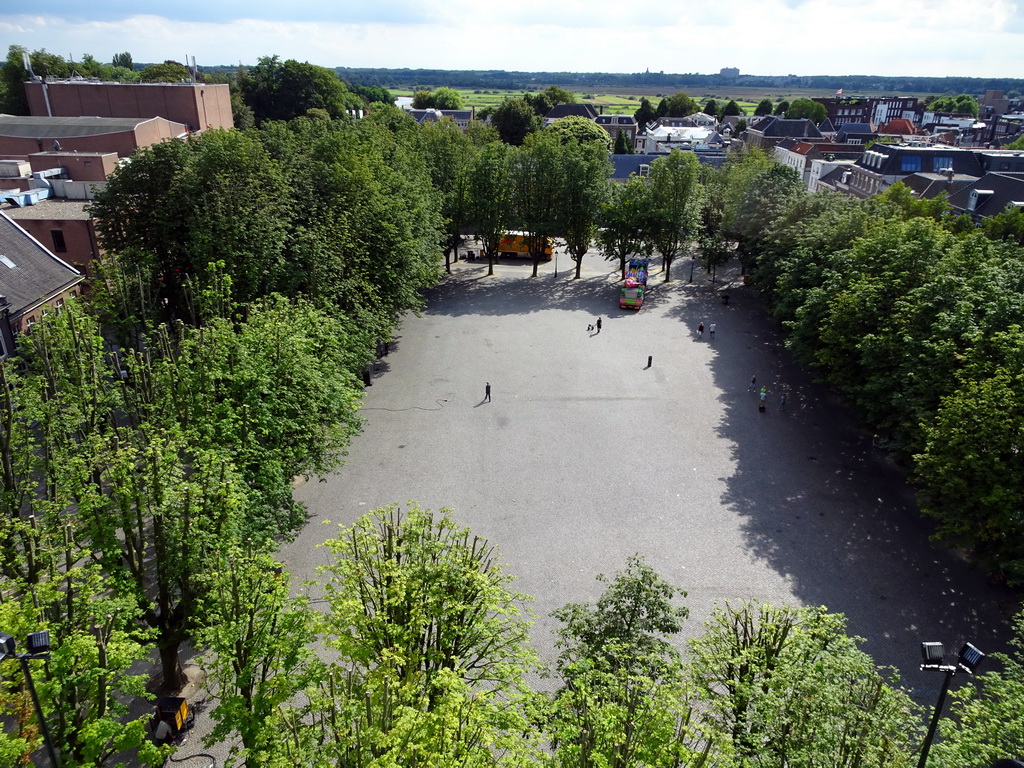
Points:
[517,244]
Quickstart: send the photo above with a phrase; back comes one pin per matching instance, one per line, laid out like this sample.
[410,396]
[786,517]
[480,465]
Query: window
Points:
[645,170]
[940,164]
[910,164]
[59,246]
[1004,166]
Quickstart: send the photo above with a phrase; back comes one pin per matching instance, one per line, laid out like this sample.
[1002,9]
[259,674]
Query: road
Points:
[585,456]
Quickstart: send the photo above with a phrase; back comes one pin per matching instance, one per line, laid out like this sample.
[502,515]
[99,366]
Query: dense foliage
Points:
[916,321]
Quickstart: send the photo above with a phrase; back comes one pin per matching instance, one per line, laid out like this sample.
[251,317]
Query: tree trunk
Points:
[174,675]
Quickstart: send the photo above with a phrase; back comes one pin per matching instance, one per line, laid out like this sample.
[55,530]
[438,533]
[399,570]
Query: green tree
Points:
[970,460]
[623,221]
[675,195]
[732,109]
[432,647]
[182,206]
[711,108]
[556,95]
[805,108]
[372,94]
[681,105]
[258,638]
[515,120]
[1007,226]
[490,196]
[422,99]
[537,185]
[963,104]
[764,107]
[781,108]
[576,129]
[168,72]
[277,90]
[623,145]
[624,701]
[123,60]
[449,152]
[585,171]
[12,78]
[789,687]
[447,98]
[631,620]
[645,114]
[988,723]
[1016,144]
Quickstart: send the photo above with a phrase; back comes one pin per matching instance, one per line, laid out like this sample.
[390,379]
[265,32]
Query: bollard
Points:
[650,359]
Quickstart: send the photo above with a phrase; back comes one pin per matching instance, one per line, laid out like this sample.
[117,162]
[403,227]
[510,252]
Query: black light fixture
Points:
[37,646]
[933,654]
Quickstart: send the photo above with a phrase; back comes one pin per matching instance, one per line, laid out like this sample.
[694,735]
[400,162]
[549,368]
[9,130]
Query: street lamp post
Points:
[38,647]
[933,654]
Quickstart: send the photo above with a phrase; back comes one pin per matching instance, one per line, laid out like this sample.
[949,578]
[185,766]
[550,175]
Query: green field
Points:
[612,102]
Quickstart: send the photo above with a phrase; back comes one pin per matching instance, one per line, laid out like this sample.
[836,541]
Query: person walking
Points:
[700,331]
[598,325]
[711,332]
[762,396]
[487,392]
[753,384]
[782,401]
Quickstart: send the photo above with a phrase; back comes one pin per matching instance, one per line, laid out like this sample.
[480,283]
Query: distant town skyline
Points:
[937,38]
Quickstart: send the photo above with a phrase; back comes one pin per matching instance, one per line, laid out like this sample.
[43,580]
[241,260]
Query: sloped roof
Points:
[890,160]
[899,127]
[565,110]
[29,273]
[615,120]
[1003,189]
[24,127]
[825,126]
[624,165]
[929,185]
[778,127]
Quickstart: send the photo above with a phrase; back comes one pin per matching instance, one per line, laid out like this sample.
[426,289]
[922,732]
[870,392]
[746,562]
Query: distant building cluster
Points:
[53,160]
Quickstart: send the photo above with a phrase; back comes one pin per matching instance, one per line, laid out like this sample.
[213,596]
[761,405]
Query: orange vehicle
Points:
[517,244]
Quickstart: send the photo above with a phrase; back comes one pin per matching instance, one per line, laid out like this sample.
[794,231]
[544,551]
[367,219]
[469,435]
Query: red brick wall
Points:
[195,105]
[79,239]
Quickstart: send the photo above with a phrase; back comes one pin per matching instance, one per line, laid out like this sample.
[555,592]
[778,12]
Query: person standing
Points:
[711,332]
[487,392]
[598,325]
[700,330]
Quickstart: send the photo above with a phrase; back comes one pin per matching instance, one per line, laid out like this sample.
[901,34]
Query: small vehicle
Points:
[517,244]
[632,295]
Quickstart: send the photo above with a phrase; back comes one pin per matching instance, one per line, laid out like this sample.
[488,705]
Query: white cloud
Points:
[917,37]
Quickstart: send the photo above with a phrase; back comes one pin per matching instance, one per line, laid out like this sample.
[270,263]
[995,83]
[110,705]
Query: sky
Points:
[763,37]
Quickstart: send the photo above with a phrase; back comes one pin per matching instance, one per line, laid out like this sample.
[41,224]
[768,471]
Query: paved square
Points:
[585,456]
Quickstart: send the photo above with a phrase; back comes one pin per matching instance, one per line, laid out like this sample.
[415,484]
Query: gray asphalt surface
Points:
[585,456]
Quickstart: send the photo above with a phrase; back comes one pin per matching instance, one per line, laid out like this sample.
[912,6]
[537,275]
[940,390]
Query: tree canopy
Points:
[805,108]
[283,90]
[580,130]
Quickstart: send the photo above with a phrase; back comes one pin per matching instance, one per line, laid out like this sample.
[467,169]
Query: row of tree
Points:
[915,316]
[154,429]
